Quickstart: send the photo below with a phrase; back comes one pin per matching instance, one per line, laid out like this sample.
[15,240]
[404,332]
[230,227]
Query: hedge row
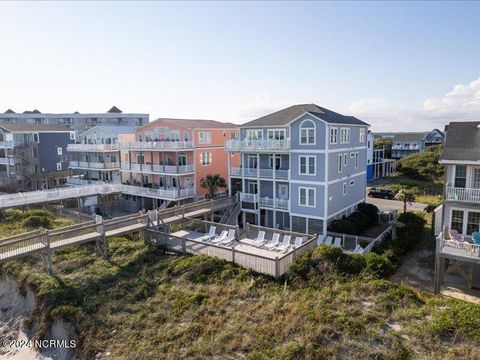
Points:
[357,222]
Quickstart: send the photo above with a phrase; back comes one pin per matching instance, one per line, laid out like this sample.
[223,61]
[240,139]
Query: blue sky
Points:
[399,66]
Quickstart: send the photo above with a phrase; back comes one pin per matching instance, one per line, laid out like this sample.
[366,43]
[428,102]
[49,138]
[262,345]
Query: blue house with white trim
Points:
[301,168]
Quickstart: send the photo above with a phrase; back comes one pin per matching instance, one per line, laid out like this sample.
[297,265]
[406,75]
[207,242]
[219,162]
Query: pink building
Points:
[169,157]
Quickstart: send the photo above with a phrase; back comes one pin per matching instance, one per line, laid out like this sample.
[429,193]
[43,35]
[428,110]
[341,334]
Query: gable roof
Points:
[34,127]
[114,109]
[284,116]
[112,129]
[9,111]
[463,141]
[412,136]
[195,123]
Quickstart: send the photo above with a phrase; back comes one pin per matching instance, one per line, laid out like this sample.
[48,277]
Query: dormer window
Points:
[307,133]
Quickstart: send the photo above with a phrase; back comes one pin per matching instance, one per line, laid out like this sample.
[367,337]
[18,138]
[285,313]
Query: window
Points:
[344,135]
[185,136]
[345,159]
[306,197]
[277,161]
[204,137]
[307,132]
[72,135]
[254,134]
[277,134]
[457,221]
[234,135]
[476,179]
[352,182]
[356,160]
[340,163]
[283,191]
[35,137]
[344,188]
[307,165]
[473,222]
[59,151]
[206,158]
[460,176]
[362,136]
[59,166]
[352,155]
[333,135]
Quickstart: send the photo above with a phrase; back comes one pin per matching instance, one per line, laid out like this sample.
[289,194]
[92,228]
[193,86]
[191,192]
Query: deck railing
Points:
[158,193]
[273,203]
[462,194]
[94,165]
[460,249]
[264,173]
[258,145]
[156,145]
[161,169]
[7,161]
[92,147]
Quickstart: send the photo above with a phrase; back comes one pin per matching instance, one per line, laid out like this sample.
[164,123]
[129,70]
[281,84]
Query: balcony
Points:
[266,202]
[94,165]
[7,161]
[267,145]
[471,195]
[6,145]
[280,174]
[92,147]
[167,194]
[157,169]
[156,145]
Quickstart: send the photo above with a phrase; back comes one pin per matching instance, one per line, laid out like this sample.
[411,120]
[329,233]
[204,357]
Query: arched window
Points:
[307,132]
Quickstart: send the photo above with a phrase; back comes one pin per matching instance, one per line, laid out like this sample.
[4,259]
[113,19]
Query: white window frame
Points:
[271,134]
[356,160]
[308,129]
[344,135]
[307,191]
[283,187]
[345,160]
[72,135]
[254,134]
[204,137]
[340,163]
[333,135]
[59,151]
[59,166]
[208,158]
[352,155]
[307,165]
[362,135]
[344,188]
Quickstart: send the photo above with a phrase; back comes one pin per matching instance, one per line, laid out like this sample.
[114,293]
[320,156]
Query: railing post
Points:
[48,253]
[277,267]
[184,245]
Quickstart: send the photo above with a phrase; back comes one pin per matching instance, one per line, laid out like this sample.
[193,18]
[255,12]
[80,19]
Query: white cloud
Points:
[462,103]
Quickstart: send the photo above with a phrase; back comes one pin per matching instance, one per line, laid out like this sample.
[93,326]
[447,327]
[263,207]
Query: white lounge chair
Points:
[229,238]
[338,242]
[274,243]
[285,244]
[329,240]
[320,239]
[221,237]
[298,242]
[211,233]
[357,249]
[260,239]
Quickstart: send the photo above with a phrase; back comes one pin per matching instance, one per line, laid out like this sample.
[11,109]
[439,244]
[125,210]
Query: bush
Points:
[36,221]
[370,211]
[423,165]
[379,265]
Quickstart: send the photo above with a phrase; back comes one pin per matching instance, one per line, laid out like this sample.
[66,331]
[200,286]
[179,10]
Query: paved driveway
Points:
[385,204]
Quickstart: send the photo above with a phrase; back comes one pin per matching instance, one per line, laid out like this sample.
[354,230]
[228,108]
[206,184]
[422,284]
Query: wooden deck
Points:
[47,241]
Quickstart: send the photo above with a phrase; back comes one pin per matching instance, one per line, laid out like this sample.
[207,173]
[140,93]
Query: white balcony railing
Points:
[258,145]
[6,144]
[7,161]
[94,165]
[262,173]
[463,194]
[458,248]
[172,194]
[253,198]
[92,147]
[273,203]
[158,169]
[156,145]
[82,182]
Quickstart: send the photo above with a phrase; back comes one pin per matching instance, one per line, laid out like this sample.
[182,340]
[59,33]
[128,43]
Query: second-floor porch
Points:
[462,183]
[149,168]
[92,147]
[260,145]
[74,164]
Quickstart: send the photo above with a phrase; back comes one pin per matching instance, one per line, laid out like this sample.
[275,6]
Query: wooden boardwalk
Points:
[46,241]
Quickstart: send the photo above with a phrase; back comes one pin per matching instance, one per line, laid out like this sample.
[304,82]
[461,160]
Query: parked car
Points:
[381,193]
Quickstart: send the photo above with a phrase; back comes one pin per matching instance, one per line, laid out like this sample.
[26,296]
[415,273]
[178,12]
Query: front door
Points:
[252,187]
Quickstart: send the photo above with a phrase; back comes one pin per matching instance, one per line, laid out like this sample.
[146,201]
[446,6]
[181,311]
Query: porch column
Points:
[229,184]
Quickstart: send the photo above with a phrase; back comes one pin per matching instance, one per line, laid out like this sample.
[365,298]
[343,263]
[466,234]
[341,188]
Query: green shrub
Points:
[458,318]
[379,265]
[354,224]
[370,211]
[36,221]
[423,165]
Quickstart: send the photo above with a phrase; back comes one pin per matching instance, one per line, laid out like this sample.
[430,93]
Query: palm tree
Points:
[405,196]
[212,183]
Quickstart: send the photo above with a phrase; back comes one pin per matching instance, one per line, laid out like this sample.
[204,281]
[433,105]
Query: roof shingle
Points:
[463,142]
[34,127]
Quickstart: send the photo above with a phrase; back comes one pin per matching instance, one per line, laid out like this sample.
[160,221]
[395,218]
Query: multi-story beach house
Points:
[33,156]
[377,163]
[300,168]
[96,155]
[461,157]
[75,121]
[404,144]
[169,157]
